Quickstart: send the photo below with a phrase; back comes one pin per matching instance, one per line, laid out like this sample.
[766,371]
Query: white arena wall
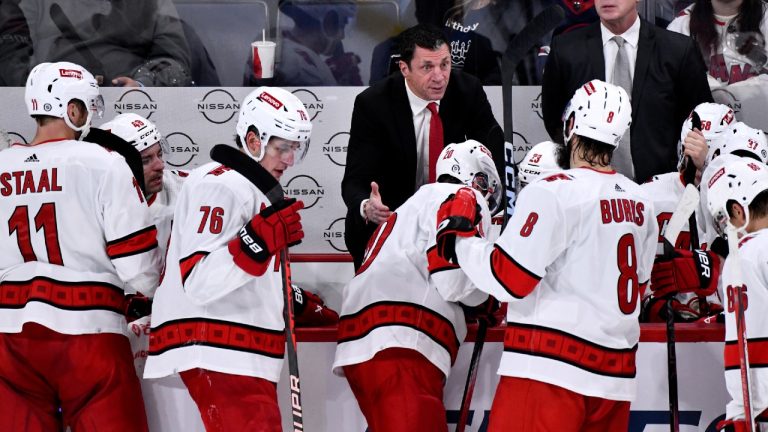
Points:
[195,119]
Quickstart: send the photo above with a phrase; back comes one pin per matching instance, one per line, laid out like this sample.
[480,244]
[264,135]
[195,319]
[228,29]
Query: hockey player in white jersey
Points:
[161,186]
[77,233]
[540,161]
[217,316]
[740,140]
[739,194]
[572,263]
[401,321]
[666,190]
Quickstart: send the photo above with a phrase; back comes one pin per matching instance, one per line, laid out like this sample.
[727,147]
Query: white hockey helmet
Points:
[472,164]
[137,130]
[741,181]
[601,111]
[51,86]
[715,121]
[540,161]
[743,140]
[275,112]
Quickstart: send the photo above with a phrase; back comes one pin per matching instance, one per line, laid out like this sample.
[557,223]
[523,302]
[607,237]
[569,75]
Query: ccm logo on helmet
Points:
[268,98]
[71,73]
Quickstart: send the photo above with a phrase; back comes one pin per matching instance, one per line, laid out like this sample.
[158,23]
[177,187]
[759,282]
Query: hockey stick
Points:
[689,176]
[469,386]
[685,211]
[736,288]
[685,207]
[546,21]
[265,182]
[112,142]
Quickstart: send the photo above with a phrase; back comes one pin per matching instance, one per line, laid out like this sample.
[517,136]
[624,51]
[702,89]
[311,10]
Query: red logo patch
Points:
[268,98]
[71,73]
[589,88]
[717,175]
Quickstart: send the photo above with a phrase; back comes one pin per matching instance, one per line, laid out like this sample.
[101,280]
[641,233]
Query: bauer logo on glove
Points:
[685,272]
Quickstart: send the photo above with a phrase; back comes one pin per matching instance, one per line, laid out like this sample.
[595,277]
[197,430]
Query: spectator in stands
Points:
[730,35]
[478,32]
[312,52]
[125,43]
[15,45]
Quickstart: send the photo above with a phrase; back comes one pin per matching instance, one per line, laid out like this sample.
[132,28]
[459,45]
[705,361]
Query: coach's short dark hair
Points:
[426,36]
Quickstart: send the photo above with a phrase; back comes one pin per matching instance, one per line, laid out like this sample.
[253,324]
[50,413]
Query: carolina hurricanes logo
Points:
[268,98]
[71,73]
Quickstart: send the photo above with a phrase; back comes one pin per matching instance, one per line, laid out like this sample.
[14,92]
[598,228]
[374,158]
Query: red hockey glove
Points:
[136,306]
[268,232]
[686,272]
[310,310]
[486,311]
[458,215]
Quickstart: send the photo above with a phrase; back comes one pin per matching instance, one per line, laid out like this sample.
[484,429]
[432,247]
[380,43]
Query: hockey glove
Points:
[458,215]
[686,272]
[276,227]
[489,311]
[136,306]
[310,310]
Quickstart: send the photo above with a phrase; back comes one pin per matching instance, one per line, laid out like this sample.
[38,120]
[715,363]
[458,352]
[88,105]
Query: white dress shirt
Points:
[631,38]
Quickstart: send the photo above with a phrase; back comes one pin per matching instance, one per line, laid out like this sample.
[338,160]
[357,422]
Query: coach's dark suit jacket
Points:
[382,144]
[669,81]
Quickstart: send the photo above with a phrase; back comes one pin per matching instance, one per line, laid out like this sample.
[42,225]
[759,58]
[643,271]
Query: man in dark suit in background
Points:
[396,136]
[662,71]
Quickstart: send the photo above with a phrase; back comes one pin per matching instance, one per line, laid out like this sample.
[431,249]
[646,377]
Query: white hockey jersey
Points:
[161,207]
[208,313]
[393,301]
[572,262]
[666,190]
[726,66]
[76,233]
[753,252]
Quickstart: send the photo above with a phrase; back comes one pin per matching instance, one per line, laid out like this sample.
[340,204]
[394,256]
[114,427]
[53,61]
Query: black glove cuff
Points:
[720,246]
[252,245]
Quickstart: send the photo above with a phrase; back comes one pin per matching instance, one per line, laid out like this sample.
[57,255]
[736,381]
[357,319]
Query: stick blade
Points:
[685,208]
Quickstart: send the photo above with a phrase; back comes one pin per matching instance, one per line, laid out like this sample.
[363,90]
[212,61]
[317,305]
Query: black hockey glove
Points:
[136,306]
[487,311]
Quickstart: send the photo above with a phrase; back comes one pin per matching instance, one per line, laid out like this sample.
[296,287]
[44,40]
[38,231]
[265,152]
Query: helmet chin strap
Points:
[262,149]
[84,129]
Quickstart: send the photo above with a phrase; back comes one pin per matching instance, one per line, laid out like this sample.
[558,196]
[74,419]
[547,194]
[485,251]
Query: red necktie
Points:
[435,139]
